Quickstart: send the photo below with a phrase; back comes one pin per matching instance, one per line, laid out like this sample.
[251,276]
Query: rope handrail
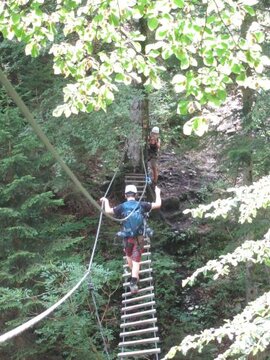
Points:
[29,117]
[21,328]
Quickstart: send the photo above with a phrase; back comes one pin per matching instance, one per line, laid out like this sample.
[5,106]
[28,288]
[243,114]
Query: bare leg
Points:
[129,262]
[135,269]
[155,174]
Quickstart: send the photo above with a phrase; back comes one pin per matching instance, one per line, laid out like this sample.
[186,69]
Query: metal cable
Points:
[29,117]
[91,288]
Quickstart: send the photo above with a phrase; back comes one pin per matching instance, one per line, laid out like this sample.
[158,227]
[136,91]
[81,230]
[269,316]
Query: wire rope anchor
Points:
[90,285]
[148,180]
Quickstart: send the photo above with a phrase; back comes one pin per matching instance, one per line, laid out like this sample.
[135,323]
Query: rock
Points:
[170,204]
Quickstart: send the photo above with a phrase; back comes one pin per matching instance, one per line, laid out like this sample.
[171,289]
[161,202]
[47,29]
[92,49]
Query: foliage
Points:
[255,251]
[247,331]
[250,198]
[98,45]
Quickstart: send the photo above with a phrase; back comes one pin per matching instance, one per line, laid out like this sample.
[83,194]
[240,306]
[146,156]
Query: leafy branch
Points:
[249,331]
[250,250]
[248,198]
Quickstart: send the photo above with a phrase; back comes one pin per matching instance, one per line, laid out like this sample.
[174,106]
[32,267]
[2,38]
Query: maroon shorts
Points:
[134,249]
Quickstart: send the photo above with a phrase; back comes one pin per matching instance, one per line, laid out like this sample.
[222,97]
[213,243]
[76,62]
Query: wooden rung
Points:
[135,176]
[138,332]
[147,246]
[143,254]
[138,314]
[145,262]
[132,175]
[148,288]
[140,272]
[138,179]
[138,306]
[139,322]
[140,281]
[147,253]
[139,352]
[141,341]
[138,298]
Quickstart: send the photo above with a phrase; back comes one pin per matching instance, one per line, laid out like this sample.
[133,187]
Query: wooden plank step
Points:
[140,272]
[140,281]
[145,262]
[138,306]
[148,288]
[135,181]
[138,332]
[134,176]
[138,298]
[138,314]
[147,253]
[141,341]
[139,352]
[138,323]
[143,254]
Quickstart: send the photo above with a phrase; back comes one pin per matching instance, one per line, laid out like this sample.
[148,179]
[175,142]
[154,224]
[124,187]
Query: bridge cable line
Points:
[21,328]
[29,117]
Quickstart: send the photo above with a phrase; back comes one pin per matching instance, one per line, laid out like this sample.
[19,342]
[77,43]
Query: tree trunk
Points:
[247,93]
[139,116]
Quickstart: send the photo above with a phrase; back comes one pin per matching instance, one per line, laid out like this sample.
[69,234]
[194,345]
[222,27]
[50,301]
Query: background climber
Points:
[153,152]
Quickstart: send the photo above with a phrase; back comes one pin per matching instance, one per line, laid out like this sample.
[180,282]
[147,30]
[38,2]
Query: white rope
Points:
[21,328]
[28,324]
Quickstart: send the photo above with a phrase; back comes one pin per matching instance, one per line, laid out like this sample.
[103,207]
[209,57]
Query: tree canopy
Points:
[98,44]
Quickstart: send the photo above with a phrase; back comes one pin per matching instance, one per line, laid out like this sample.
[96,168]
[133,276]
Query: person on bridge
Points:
[153,152]
[133,243]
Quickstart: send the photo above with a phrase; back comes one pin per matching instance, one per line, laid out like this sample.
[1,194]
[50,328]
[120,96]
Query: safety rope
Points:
[19,329]
[29,117]
[25,111]
[12,333]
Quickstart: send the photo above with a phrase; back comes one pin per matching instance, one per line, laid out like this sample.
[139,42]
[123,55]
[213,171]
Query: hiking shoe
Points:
[133,288]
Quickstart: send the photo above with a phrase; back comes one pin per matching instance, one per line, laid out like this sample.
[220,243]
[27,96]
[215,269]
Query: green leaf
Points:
[98,18]
[214,100]
[161,33]
[197,124]
[222,94]
[166,53]
[236,68]
[152,23]
[249,10]
[32,49]
[119,77]
[179,3]
[15,18]
[182,107]
[114,20]
[259,35]
[241,77]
